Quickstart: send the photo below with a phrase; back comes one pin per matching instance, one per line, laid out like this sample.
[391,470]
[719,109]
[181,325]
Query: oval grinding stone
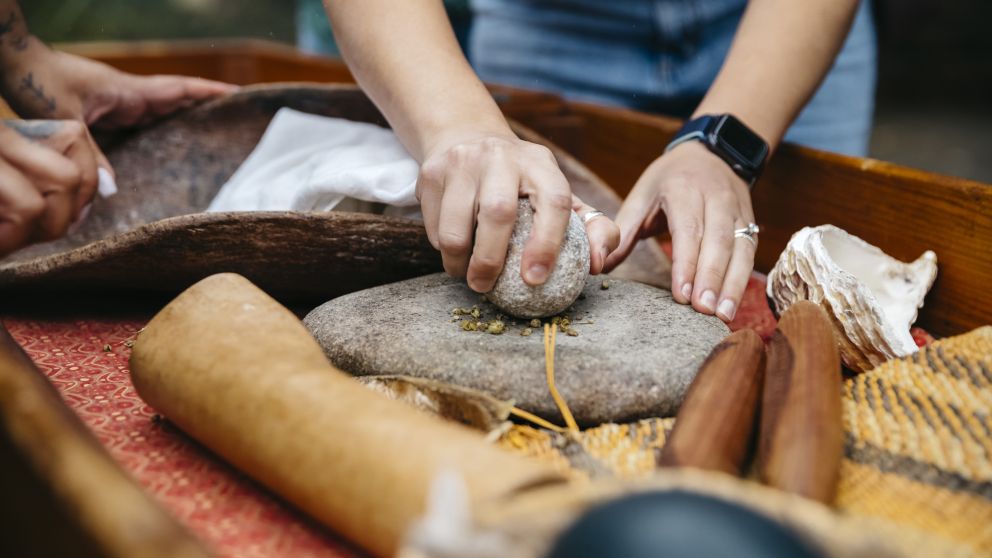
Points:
[634,360]
[515,297]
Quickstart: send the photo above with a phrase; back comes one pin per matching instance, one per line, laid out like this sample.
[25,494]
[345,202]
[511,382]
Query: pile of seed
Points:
[474,319]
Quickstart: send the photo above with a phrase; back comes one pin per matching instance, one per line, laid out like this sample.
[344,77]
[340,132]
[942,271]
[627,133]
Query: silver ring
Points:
[750,232]
[592,215]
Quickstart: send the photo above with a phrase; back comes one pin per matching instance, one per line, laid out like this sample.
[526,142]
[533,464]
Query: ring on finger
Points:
[750,232]
[589,216]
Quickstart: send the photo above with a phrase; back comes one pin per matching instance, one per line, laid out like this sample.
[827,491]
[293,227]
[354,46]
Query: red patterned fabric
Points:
[231,514]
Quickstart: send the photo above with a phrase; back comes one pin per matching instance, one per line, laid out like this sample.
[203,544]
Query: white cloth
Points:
[106,187]
[306,162]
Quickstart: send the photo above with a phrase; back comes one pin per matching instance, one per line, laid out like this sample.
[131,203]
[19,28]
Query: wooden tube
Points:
[61,494]
[716,423]
[801,441]
[240,373]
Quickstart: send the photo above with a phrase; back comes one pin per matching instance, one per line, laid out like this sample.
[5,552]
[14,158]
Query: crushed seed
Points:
[571,332]
[605,285]
[496,327]
[107,349]
[526,332]
[535,323]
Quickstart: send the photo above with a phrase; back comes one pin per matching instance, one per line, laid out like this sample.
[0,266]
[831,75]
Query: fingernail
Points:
[536,274]
[687,291]
[708,300]
[727,309]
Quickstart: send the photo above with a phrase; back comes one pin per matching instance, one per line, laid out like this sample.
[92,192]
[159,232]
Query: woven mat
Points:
[918,448]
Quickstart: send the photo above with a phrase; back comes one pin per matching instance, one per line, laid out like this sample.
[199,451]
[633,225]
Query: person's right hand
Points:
[468,190]
[48,173]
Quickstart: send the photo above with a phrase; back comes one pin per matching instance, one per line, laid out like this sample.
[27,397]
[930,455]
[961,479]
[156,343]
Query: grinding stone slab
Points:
[635,360]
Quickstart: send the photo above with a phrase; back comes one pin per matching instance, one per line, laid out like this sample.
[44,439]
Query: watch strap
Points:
[692,130]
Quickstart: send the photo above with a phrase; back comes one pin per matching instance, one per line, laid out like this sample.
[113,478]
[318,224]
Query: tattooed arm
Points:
[39,82]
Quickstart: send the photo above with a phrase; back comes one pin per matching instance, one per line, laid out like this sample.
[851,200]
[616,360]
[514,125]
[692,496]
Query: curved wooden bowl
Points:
[154,236]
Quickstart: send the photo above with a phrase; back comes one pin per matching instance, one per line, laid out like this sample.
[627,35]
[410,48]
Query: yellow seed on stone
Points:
[526,332]
[535,323]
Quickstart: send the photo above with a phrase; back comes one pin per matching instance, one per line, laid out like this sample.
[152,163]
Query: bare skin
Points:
[473,167]
[48,165]
[405,56]
[47,175]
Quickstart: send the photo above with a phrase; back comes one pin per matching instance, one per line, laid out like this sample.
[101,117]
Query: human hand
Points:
[468,190]
[704,202]
[52,84]
[48,173]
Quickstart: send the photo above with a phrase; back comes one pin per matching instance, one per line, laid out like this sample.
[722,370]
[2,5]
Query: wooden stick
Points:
[801,442]
[549,369]
[716,424]
[61,494]
[240,373]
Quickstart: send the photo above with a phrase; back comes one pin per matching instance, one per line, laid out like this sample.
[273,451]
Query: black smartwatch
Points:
[729,139]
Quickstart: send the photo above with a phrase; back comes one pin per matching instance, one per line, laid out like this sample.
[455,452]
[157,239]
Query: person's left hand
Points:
[704,202]
[65,86]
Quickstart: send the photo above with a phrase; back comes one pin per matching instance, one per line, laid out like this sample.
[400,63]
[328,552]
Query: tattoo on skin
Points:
[37,90]
[34,129]
[20,43]
[38,129]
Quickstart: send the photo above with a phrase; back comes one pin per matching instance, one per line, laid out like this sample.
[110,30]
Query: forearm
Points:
[19,52]
[405,56]
[782,51]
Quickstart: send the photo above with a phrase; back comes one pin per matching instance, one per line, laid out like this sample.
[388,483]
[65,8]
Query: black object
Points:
[729,139]
[676,524]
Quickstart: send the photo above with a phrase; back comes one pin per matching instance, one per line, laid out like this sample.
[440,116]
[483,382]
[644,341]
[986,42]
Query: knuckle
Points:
[30,208]
[499,210]
[559,200]
[487,266]
[453,243]
[541,152]
[432,171]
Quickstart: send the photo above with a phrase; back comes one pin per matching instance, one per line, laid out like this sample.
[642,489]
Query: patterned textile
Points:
[87,361]
[918,443]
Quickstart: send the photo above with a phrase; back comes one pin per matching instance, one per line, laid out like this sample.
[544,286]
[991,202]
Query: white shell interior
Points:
[898,287]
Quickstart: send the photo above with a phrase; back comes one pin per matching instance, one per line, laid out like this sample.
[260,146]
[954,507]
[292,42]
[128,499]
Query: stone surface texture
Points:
[635,354]
[515,297]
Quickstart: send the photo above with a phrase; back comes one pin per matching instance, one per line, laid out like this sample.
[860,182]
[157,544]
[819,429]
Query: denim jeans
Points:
[660,56]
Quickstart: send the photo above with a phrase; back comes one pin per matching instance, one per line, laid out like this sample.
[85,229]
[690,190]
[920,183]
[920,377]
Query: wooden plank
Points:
[239,61]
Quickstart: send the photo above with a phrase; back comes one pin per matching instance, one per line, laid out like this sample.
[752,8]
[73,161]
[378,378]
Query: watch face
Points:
[736,138]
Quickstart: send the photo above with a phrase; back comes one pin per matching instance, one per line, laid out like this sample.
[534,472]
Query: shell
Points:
[871,297]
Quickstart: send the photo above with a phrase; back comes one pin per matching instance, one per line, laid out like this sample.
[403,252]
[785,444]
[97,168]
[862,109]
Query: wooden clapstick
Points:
[801,441]
[716,423]
[61,494]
